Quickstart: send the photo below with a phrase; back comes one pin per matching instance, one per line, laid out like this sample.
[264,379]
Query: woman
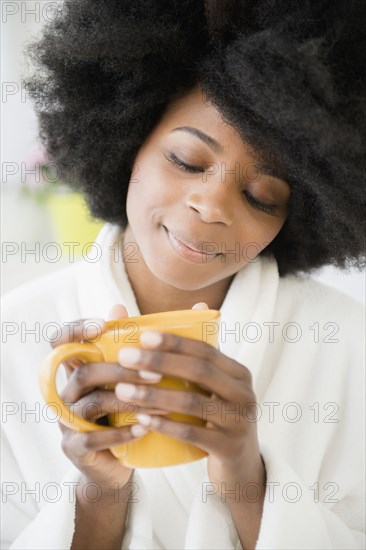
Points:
[222,142]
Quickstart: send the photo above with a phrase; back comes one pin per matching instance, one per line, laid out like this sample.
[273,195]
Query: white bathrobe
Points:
[304,345]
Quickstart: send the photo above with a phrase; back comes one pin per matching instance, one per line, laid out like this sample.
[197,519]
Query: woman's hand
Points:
[89,450]
[230,434]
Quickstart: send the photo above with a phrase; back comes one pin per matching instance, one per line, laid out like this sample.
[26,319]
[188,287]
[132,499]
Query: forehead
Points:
[196,111]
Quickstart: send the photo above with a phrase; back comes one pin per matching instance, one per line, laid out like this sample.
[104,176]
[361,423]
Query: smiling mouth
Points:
[186,251]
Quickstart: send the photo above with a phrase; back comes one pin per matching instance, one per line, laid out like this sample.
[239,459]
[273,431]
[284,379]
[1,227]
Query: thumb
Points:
[200,305]
[118,311]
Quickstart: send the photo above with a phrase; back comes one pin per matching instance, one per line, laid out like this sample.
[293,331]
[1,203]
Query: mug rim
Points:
[148,319]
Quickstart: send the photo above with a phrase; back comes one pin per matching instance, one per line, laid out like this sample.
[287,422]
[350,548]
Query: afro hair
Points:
[288,76]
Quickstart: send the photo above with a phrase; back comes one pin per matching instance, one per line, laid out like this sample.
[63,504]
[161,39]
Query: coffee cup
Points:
[153,450]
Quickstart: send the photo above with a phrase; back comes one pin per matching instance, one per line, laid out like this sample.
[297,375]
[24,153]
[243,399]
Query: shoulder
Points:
[326,314]
[311,295]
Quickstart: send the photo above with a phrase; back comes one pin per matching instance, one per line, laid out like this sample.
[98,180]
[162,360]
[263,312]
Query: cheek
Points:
[256,234]
[149,190]
[131,200]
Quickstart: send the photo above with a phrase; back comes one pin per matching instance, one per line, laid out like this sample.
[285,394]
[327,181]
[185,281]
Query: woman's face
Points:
[196,182]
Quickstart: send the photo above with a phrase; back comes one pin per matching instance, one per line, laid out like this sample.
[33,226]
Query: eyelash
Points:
[268,208]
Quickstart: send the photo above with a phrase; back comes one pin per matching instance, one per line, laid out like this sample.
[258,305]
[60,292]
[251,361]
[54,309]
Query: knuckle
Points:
[175,342]
[69,368]
[247,376]
[88,409]
[64,397]
[98,399]
[148,394]
[204,369]
[65,443]
[80,376]
[156,360]
[252,398]
[186,431]
[118,436]
[118,370]
[211,352]
[86,441]
[239,391]
[192,400]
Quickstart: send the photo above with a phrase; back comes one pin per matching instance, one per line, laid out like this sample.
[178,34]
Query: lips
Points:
[192,251]
[196,246]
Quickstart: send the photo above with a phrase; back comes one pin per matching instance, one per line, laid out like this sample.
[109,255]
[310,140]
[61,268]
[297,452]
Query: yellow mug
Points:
[154,450]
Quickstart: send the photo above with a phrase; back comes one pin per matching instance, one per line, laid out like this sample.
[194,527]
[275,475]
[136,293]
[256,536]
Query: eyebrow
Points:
[269,169]
[211,142]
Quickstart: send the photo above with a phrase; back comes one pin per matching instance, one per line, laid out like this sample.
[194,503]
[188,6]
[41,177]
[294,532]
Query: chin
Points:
[183,279]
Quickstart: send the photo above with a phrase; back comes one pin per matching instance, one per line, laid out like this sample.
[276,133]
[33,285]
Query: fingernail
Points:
[129,355]
[138,430]
[200,305]
[144,419]
[125,390]
[150,375]
[151,338]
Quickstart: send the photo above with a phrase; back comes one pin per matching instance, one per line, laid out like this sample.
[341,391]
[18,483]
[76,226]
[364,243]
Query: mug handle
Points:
[47,380]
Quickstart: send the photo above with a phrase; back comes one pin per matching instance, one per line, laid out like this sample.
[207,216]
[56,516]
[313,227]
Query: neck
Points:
[154,295]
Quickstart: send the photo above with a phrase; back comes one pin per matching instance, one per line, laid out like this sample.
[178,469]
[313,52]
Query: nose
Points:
[213,202]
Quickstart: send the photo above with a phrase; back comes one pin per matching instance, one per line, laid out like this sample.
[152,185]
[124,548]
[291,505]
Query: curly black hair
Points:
[288,76]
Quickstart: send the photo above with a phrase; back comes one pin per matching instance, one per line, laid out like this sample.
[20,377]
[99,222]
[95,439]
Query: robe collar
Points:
[249,303]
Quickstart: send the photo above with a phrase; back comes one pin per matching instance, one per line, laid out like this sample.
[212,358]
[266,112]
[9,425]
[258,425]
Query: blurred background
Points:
[37,216]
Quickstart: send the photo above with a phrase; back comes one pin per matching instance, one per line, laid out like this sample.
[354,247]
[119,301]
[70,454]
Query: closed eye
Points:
[171,157]
[267,208]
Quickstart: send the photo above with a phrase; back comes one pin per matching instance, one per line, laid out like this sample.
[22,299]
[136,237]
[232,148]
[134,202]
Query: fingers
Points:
[101,403]
[93,405]
[80,330]
[175,401]
[89,376]
[90,451]
[77,446]
[210,440]
[87,329]
[118,311]
[84,330]
[192,367]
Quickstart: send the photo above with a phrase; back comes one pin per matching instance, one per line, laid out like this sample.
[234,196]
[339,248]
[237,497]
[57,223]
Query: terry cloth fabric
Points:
[304,345]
